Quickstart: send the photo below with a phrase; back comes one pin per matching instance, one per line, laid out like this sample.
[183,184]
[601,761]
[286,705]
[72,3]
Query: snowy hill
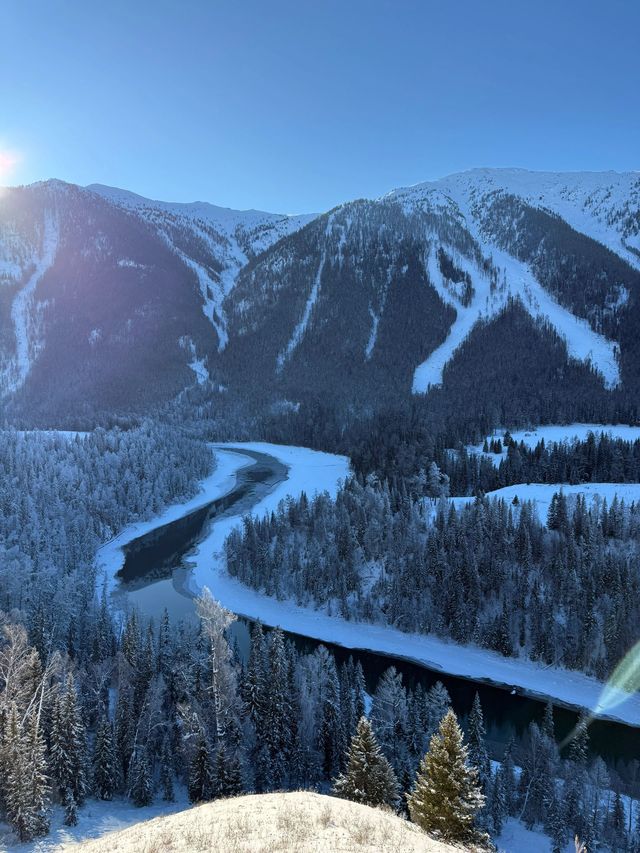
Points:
[113,301]
[225,239]
[603,205]
[392,290]
[290,823]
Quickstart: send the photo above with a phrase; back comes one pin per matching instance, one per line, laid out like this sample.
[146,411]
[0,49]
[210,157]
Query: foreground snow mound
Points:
[288,823]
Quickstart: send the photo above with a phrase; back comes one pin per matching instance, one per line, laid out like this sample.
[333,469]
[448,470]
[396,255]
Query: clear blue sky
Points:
[296,105]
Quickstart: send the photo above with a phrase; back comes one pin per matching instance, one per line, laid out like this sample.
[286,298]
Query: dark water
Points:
[156,567]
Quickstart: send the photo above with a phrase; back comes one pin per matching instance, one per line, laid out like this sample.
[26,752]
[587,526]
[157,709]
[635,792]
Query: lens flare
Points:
[8,161]
[623,683]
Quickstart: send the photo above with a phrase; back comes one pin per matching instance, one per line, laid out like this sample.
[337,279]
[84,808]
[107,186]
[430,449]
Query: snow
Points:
[21,313]
[582,342]
[483,304]
[110,556]
[598,204]
[95,819]
[373,336]
[540,494]
[224,219]
[557,434]
[300,329]
[460,195]
[293,822]
[516,838]
[211,291]
[224,234]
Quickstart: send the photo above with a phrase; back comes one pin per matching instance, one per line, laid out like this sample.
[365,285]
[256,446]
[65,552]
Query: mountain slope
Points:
[291,823]
[455,254]
[110,301]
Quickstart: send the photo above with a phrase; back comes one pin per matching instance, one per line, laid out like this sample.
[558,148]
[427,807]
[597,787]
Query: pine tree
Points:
[548,726]
[26,785]
[499,807]
[618,823]
[555,823]
[201,784]
[579,748]
[446,796]
[70,809]
[68,745]
[140,787]
[478,755]
[166,772]
[369,778]
[104,761]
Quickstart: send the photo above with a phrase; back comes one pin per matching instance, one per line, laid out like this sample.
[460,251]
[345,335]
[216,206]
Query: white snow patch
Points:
[484,303]
[300,329]
[556,434]
[375,319]
[22,315]
[540,494]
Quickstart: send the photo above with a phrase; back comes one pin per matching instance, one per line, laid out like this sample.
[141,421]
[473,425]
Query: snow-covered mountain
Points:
[108,299]
[215,242]
[389,292]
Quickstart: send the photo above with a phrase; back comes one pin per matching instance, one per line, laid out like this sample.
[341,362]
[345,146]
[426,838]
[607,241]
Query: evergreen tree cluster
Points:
[61,496]
[146,708]
[487,572]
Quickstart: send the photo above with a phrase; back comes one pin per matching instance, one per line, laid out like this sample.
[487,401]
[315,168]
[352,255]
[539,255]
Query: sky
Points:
[297,105]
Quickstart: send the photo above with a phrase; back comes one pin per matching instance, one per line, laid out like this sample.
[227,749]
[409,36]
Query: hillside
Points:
[298,822]
[111,302]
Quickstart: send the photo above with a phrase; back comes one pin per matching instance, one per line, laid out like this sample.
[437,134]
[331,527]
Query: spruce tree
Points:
[26,785]
[141,787]
[579,748]
[201,786]
[68,745]
[555,823]
[166,772]
[447,797]
[478,755]
[369,778]
[499,808]
[104,761]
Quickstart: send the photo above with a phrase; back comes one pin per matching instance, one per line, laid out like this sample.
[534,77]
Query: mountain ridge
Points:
[383,293]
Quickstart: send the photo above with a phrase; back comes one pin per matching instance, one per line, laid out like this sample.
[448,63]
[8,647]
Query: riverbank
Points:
[110,556]
[312,471]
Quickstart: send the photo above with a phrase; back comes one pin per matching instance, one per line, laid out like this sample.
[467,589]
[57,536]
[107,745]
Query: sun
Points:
[8,161]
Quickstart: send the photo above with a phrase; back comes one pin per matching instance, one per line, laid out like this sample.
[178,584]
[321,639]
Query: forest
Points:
[489,573]
[140,709]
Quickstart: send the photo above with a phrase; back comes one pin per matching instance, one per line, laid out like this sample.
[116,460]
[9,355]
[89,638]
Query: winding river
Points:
[155,575]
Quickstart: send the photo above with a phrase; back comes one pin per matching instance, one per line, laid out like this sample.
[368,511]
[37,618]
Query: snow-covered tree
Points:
[369,777]
[104,761]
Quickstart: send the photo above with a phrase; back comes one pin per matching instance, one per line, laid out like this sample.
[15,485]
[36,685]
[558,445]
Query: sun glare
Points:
[8,161]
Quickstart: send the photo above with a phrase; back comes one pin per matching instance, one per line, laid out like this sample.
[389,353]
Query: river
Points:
[155,574]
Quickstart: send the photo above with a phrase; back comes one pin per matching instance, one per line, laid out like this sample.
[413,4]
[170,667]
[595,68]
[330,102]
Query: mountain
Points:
[109,301]
[500,287]
[290,823]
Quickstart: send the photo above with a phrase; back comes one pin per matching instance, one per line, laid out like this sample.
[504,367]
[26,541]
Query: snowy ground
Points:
[540,494]
[295,822]
[312,471]
[516,838]
[95,819]
[110,556]
[557,433]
